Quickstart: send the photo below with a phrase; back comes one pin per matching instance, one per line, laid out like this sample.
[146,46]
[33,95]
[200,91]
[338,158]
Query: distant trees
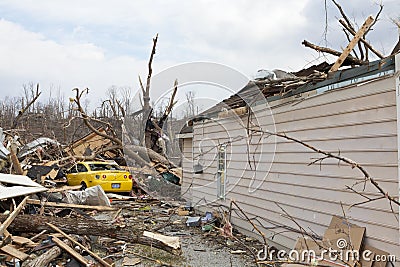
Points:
[31,115]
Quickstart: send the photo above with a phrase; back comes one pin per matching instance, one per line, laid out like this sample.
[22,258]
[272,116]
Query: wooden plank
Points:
[38,235]
[64,188]
[79,244]
[67,205]
[10,250]
[71,251]
[6,238]
[171,241]
[12,216]
[344,24]
[20,240]
[15,162]
[364,28]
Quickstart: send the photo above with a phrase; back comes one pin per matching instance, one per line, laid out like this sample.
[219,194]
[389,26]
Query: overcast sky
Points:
[98,44]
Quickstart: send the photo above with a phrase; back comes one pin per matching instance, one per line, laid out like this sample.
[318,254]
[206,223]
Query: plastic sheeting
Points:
[93,196]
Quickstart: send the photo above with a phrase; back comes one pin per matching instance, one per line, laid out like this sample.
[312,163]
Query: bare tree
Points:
[31,96]
[152,150]
[190,96]
[397,46]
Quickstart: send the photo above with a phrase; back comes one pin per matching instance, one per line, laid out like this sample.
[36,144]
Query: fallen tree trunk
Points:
[148,154]
[35,223]
[44,259]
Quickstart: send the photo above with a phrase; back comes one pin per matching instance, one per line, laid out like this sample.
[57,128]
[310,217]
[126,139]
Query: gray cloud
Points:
[97,44]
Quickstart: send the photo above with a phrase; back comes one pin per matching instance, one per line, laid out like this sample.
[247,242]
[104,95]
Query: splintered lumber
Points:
[38,235]
[14,160]
[10,250]
[171,241]
[45,258]
[23,241]
[7,238]
[364,28]
[70,250]
[79,245]
[67,205]
[64,188]
[12,216]
[25,223]
[344,24]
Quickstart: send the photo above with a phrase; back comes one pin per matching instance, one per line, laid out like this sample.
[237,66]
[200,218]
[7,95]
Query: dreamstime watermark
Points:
[339,254]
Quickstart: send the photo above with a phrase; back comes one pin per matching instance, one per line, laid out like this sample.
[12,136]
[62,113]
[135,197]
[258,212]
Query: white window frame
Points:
[221,172]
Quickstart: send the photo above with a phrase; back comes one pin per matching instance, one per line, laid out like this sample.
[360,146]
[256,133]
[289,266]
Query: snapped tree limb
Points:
[350,59]
[350,162]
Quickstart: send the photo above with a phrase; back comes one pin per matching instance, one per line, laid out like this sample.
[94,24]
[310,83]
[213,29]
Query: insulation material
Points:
[93,196]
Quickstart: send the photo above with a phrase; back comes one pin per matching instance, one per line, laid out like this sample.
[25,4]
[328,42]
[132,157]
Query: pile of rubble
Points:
[63,226]
[45,222]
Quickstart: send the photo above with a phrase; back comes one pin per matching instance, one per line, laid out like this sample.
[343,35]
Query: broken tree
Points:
[151,147]
[35,223]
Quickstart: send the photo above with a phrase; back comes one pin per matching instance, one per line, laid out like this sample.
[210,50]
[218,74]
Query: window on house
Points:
[221,172]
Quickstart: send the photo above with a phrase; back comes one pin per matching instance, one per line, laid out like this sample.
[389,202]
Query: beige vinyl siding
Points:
[187,168]
[358,121]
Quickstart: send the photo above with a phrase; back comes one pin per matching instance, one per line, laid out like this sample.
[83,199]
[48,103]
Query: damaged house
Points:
[232,152]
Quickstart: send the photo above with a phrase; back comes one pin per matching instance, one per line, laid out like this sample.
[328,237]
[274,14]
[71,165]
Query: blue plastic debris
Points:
[193,221]
[207,218]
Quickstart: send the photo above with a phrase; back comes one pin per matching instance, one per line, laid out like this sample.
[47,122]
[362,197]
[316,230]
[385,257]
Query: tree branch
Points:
[24,109]
[344,15]
[349,58]
[350,162]
[146,95]
[171,104]
[86,118]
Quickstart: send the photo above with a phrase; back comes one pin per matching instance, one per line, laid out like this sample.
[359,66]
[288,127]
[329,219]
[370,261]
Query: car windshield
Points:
[104,167]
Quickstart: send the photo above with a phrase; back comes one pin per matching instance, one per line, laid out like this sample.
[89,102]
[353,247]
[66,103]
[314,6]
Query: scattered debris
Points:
[67,205]
[45,222]
[130,261]
[168,240]
[18,185]
[193,221]
[38,147]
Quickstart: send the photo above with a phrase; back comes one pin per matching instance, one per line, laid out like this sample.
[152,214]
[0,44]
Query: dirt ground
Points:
[199,247]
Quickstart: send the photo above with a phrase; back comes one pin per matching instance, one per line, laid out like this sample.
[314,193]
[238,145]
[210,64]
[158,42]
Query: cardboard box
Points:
[346,237]
[308,244]
[375,253]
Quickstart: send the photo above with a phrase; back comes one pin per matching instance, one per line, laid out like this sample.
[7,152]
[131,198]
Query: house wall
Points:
[358,121]
[187,167]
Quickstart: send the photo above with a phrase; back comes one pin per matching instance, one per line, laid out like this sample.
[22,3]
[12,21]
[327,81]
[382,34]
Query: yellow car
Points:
[109,176]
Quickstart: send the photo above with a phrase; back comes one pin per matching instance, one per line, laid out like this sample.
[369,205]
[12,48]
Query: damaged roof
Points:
[305,80]
[32,146]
